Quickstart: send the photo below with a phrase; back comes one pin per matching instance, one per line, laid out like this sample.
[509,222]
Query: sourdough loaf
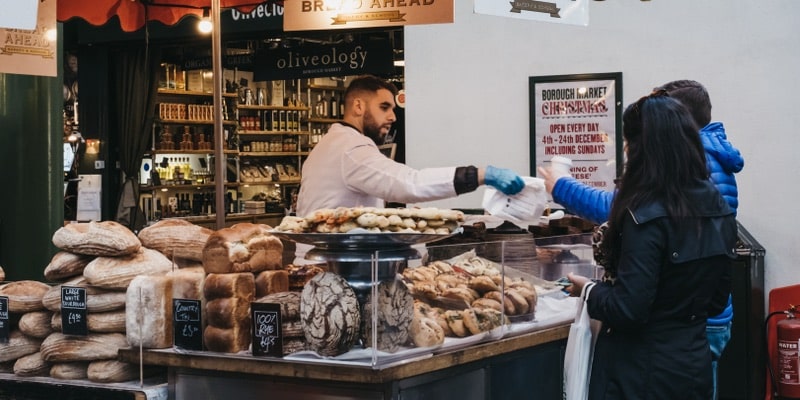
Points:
[69,370]
[104,238]
[94,346]
[176,238]
[110,371]
[117,272]
[243,247]
[330,314]
[65,264]
[97,299]
[104,322]
[24,296]
[32,365]
[19,345]
[36,324]
[148,312]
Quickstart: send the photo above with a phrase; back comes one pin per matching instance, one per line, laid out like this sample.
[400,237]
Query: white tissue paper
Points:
[525,206]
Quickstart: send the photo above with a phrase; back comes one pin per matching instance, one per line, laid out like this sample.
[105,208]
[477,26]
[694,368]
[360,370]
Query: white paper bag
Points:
[579,352]
[526,206]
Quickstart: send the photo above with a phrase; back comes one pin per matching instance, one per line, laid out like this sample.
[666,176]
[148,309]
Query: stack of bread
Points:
[240,262]
[30,325]
[428,220]
[291,326]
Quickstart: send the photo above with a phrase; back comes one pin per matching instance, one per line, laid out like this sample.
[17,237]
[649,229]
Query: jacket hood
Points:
[716,145]
[704,195]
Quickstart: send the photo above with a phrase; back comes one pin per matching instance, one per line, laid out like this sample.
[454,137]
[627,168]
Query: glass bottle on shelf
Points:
[334,113]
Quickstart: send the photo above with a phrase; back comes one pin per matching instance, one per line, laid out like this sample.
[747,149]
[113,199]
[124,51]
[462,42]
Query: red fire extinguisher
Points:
[788,347]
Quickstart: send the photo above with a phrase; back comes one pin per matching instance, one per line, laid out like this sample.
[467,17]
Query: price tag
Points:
[267,335]
[187,328]
[73,311]
[5,329]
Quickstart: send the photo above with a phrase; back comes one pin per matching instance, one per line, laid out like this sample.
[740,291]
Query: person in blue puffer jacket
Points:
[723,161]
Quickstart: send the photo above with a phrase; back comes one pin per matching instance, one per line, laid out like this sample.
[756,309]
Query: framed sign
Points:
[578,117]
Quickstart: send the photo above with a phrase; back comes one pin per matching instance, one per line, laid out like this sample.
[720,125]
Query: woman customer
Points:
[670,239]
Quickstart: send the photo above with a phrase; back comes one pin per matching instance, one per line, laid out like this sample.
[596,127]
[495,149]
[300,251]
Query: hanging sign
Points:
[578,117]
[31,51]
[372,56]
[301,15]
[573,12]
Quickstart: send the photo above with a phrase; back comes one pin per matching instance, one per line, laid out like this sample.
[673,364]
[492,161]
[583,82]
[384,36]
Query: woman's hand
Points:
[578,282]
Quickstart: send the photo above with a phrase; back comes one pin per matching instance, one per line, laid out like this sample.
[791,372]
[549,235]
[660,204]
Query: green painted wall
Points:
[31,176]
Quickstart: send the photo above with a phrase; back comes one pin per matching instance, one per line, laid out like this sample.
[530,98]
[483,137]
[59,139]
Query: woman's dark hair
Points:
[694,96]
[368,83]
[664,158]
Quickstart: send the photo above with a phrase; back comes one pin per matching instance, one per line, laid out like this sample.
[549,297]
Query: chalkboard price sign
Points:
[187,328]
[73,311]
[267,335]
[5,329]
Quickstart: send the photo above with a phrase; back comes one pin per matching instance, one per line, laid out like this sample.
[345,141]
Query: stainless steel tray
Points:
[365,240]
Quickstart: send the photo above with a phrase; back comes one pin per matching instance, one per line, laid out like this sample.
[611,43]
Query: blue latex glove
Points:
[504,180]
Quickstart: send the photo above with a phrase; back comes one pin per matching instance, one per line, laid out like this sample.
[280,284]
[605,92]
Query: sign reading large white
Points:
[302,15]
[30,51]
[573,12]
[578,117]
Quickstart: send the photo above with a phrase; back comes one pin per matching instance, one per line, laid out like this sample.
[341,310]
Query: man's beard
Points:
[373,130]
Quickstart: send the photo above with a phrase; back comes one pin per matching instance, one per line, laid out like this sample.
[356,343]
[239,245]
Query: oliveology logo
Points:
[348,58]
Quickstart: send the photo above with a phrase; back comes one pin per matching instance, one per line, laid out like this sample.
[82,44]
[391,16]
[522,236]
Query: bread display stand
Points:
[44,387]
[519,358]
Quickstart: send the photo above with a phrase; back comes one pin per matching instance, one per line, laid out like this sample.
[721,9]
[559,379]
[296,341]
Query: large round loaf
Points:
[94,346]
[97,299]
[118,272]
[176,238]
[32,365]
[24,296]
[104,238]
[65,264]
[243,247]
[69,370]
[330,314]
[36,324]
[19,345]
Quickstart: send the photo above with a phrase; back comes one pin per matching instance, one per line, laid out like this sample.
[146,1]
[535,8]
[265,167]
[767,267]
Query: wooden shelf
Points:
[177,92]
[156,152]
[256,133]
[272,153]
[199,186]
[323,120]
[279,108]
[191,122]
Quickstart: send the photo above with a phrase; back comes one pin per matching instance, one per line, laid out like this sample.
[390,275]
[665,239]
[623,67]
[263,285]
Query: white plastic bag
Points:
[526,206]
[580,349]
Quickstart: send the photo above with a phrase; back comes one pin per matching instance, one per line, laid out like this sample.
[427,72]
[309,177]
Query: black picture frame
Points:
[556,102]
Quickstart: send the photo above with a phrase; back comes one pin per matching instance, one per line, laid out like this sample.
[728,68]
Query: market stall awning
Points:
[133,14]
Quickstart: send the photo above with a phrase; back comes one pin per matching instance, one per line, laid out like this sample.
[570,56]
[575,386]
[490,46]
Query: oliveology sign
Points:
[578,117]
[301,15]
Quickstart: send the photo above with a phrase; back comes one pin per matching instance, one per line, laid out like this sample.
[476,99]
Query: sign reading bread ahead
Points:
[31,51]
[301,15]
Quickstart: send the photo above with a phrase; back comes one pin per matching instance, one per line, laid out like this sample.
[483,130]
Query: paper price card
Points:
[187,327]
[73,311]
[267,335]
[5,330]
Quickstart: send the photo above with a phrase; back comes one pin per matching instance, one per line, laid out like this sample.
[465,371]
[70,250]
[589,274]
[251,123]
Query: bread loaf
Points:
[109,371]
[95,346]
[241,285]
[148,312]
[228,312]
[105,238]
[32,365]
[330,314]
[187,283]
[36,324]
[97,299]
[176,238]
[105,322]
[243,247]
[289,301]
[65,264]
[69,370]
[117,272]
[24,296]
[227,340]
[275,281]
[19,345]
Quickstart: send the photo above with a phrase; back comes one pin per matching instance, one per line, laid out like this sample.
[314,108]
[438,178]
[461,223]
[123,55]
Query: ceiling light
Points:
[205,25]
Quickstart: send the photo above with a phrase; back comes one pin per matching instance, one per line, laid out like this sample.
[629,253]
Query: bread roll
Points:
[110,371]
[105,238]
[19,345]
[69,370]
[218,286]
[117,272]
[228,312]
[176,238]
[36,324]
[243,247]
[32,365]
[268,282]
[65,264]
[24,296]
[148,312]
[97,299]
[95,346]
[226,340]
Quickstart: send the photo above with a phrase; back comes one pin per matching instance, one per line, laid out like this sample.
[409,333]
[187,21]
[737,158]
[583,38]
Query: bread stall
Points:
[373,314]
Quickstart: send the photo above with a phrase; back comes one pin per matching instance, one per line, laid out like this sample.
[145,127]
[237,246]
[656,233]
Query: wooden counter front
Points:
[540,350]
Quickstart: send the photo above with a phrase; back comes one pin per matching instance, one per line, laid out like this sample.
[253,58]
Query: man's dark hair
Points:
[368,83]
[694,96]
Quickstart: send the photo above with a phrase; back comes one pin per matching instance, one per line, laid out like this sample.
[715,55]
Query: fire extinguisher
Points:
[786,382]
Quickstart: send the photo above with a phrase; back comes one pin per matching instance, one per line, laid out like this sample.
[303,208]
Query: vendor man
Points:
[346,168]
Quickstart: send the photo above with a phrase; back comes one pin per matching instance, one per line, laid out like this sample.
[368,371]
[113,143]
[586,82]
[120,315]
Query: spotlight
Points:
[204,25]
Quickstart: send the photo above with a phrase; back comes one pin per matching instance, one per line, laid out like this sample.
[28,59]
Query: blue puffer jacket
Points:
[723,160]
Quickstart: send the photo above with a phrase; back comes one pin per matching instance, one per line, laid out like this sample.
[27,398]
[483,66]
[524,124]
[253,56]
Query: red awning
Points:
[133,13]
